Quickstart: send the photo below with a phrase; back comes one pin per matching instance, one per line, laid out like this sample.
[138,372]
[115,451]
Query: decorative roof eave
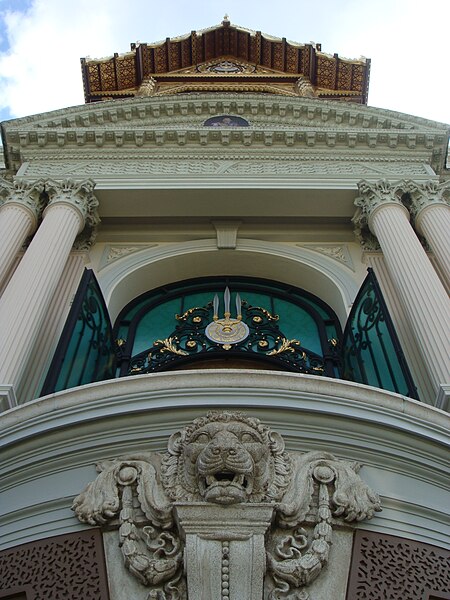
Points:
[128,71]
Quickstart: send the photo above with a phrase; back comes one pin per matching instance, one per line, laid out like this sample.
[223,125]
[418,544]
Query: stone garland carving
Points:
[339,253]
[62,567]
[386,566]
[222,462]
[116,252]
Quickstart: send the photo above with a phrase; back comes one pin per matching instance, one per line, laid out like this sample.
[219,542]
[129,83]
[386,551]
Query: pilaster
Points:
[423,297]
[21,205]
[27,297]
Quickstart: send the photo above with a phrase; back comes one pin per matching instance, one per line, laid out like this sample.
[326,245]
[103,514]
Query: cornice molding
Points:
[288,124]
[206,105]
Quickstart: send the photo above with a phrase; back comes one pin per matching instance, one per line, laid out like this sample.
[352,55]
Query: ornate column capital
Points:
[372,197]
[77,194]
[24,194]
[426,194]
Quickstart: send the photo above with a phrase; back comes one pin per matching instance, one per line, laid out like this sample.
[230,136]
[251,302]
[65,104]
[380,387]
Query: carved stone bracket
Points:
[25,194]
[226,233]
[224,510]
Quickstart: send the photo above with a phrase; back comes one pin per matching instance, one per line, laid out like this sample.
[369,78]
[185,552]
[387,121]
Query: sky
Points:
[41,42]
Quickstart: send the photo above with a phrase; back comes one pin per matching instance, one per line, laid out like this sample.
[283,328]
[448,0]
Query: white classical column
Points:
[418,286]
[431,214]
[27,297]
[19,214]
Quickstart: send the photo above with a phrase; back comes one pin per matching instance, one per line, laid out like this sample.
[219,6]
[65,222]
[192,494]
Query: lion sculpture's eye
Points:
[248,438]
[202,438]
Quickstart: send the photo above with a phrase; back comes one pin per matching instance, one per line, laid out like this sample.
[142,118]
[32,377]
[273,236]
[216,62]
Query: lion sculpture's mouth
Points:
[226,487]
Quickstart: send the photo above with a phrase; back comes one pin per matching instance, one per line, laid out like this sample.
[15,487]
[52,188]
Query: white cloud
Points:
[41,70]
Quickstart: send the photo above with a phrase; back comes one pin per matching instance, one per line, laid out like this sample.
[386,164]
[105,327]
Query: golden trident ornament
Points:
[227,331]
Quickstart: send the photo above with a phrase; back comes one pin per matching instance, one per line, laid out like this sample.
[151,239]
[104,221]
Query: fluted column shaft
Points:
[432,219]
[18,219]
[27,297]
[418,286]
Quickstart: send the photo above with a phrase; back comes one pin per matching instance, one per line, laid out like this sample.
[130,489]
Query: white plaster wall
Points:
[49,447]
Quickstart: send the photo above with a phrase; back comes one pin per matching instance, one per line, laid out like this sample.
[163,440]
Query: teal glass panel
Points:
[86,350]
[296,323]
[371,350]
[156,324]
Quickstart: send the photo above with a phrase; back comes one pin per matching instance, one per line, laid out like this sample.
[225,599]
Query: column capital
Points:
[426,194]
[25,194]
[372,196]
[78,195]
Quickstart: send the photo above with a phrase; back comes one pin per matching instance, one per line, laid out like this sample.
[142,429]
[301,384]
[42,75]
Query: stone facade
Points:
[260,498]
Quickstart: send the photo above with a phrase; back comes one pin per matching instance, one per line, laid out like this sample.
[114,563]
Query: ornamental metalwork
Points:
[371,350]
[254,333]
[86,351]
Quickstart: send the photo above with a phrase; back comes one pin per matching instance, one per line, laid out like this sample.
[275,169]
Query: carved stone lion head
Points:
[225,458]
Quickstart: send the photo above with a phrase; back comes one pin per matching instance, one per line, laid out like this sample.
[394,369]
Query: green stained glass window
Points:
[371,350]
[151,318]
[85,352]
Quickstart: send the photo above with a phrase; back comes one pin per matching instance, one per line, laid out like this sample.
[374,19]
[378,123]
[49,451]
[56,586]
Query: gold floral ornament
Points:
[170,345]
[286,346]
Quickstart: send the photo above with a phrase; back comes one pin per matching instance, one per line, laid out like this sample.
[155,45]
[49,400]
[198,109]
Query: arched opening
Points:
[228,321]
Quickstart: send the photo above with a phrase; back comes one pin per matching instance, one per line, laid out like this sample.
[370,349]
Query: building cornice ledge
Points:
[243,388]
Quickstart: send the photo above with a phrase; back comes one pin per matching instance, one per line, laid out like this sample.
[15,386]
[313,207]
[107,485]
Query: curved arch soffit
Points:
[148,269]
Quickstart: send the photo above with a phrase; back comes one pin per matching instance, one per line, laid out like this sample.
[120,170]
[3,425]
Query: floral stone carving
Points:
[226,491]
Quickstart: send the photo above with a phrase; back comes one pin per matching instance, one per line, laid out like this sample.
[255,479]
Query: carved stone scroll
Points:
[225,510]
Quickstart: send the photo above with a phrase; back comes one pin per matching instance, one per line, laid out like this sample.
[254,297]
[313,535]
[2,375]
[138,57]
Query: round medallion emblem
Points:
[227,331]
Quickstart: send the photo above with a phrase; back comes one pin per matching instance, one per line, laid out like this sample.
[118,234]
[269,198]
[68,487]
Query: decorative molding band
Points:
[193,135]
[204,105]
[179,121]
[187,165]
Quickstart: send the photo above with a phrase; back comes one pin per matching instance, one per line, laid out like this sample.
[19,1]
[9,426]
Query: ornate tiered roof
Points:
[226,58]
